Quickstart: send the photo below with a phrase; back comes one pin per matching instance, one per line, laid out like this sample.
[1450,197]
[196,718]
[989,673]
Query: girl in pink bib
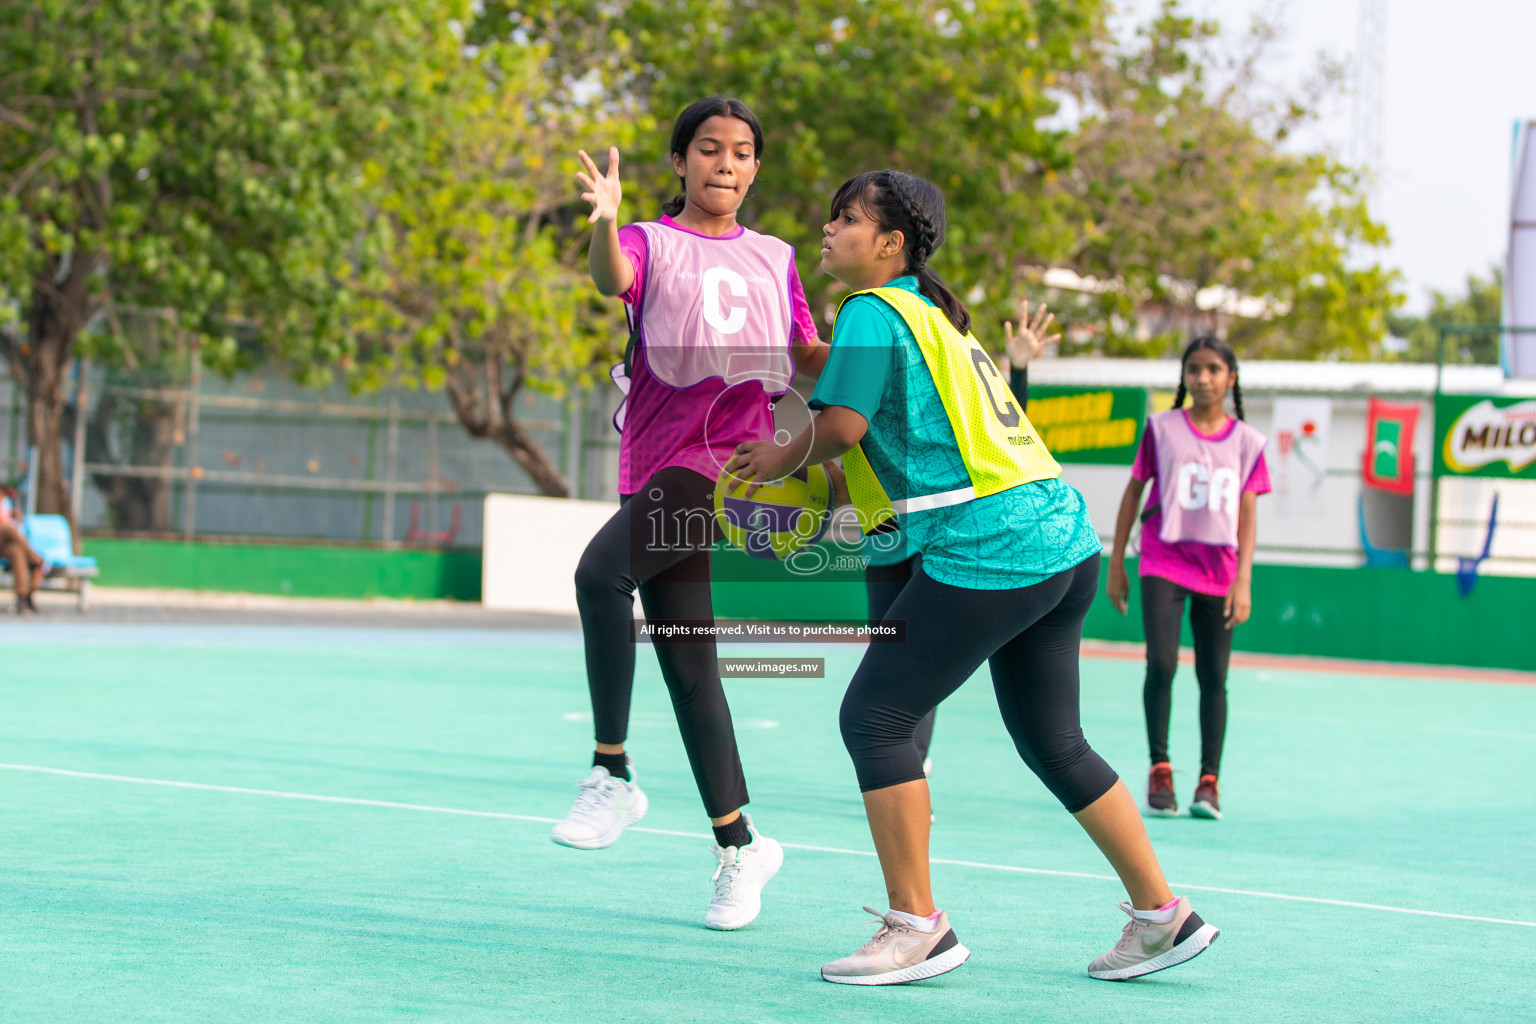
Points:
[1197,539]
[718,327]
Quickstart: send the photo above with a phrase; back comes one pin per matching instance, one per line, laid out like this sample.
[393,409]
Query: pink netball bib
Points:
[716,309]
[1200,479]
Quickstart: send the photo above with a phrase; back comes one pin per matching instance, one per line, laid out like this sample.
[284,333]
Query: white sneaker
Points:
[740,874]
[605,807]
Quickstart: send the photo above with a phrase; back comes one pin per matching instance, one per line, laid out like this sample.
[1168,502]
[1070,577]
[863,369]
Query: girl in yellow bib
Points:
[930,435]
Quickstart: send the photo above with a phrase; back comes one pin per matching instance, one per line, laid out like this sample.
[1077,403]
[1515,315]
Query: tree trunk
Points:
[546,475]
[486,416]
[58,314]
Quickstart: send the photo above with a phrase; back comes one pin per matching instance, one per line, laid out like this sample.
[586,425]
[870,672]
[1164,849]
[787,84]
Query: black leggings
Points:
[1030,636]
[882,584]
[1162,612]
[658,542]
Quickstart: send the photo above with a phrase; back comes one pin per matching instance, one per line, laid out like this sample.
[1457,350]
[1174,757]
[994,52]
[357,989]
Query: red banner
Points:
[1388,464]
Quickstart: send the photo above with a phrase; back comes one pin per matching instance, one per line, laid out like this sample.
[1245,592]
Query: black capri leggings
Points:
[1162,613]
[882,584]
[658,542]
[1030,637]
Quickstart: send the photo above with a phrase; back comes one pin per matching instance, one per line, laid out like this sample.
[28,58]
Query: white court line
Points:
[980,865]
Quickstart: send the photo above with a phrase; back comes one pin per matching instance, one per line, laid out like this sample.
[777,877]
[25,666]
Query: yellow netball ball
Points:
[781,518]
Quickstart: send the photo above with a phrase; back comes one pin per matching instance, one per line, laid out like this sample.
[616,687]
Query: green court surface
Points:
[364,837]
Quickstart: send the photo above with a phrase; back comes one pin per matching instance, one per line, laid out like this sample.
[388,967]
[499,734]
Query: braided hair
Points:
[687,126]
[1229,357]
[896,201]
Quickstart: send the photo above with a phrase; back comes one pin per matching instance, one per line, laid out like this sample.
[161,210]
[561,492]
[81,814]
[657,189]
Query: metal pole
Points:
[432,473]
[31,504]
[368,465]
[573,418]
[77,469]
[1434,481]
[193,470]
[391,451]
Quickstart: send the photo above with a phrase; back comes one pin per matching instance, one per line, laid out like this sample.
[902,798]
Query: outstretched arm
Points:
[611,270]
[1118,586]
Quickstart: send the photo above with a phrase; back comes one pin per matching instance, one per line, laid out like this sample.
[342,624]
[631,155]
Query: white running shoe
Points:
[740,874]
[899,953]
[605,807]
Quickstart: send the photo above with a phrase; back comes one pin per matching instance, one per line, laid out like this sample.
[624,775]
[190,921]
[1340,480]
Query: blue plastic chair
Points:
[49,537]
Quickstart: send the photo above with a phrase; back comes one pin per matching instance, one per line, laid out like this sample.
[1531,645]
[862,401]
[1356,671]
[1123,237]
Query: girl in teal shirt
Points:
[1006,579]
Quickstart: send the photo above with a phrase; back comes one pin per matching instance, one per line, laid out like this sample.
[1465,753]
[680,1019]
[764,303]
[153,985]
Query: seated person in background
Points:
[14,548]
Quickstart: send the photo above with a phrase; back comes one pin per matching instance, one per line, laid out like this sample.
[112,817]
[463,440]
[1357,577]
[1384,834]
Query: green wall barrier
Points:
[293,570]
[1375,614]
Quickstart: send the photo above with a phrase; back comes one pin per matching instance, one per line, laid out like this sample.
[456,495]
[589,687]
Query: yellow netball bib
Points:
[999,447]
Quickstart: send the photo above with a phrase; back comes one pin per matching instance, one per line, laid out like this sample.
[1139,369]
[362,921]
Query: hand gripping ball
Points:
[781,518]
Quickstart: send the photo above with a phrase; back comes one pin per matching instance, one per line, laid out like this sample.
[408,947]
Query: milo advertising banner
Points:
[1478,435]
[1100,425]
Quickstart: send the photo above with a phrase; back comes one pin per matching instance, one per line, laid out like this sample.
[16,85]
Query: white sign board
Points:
[1297,454]
[531,547]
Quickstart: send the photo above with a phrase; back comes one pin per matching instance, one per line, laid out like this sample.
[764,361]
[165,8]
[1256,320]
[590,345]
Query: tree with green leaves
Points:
[956,93]
[1482,305]
[1187,195]
[471,277]
[1161,167]
[199,156]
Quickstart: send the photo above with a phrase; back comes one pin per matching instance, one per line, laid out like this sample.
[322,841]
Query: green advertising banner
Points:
[1479,435]
[1099,425]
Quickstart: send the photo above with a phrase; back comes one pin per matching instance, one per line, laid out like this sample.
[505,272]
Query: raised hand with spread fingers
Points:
[611,270]
[1031,337]
[603,191]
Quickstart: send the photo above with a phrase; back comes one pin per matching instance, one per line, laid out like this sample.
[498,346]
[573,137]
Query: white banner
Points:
[531,547]
[1298,455]
[1519,347]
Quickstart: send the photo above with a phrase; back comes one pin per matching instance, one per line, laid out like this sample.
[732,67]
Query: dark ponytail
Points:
[1229,357]
[687,126]
[915,207]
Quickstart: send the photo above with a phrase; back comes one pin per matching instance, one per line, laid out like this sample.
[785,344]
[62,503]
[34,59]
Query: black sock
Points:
[734,834]
[617,764]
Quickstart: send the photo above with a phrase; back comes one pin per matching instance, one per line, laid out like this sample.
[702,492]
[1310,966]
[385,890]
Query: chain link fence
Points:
[174,451]
[166,449]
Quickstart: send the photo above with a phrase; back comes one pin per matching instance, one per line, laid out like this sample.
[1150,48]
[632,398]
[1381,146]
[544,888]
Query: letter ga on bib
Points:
[997,443]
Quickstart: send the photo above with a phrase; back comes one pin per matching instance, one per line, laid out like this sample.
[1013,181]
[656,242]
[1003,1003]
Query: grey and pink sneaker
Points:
[1146,947]
[899,953]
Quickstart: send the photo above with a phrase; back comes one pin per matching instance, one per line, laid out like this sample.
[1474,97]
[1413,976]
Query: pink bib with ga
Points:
[1200,480]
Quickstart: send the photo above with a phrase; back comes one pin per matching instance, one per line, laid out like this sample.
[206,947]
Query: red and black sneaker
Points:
[1206,804]
[1160,796]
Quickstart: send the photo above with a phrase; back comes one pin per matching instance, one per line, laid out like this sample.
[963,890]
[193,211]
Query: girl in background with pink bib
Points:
[1207,470]
[718,326]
